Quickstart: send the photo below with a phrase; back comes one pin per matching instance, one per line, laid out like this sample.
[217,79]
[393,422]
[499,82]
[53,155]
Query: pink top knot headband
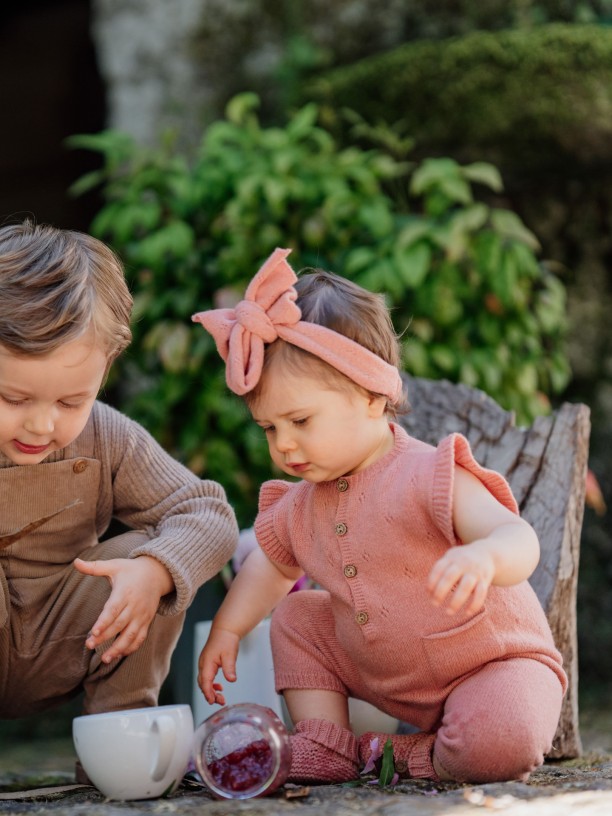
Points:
[269,311]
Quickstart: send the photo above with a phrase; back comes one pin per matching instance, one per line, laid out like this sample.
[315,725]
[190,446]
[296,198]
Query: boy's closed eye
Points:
[72,406]
[12,401]
[22,401]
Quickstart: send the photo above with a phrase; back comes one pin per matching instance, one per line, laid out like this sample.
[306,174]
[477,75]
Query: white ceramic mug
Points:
[140,753]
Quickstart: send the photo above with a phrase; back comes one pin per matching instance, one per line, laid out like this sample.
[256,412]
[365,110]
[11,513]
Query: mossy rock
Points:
[518,93]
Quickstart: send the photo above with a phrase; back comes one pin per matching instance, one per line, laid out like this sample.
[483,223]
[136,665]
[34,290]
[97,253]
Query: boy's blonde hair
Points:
[341,305]
[55,285]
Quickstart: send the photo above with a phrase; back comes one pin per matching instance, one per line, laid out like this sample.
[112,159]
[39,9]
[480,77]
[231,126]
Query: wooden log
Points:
[546,466]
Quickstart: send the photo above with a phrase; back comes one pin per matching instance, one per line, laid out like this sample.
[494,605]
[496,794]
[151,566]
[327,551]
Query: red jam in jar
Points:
[242,751]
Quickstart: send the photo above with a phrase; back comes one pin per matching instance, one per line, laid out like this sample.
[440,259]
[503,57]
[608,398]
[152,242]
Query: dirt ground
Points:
[37,777]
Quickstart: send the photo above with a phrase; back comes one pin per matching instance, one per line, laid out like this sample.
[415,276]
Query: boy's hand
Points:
[463,575]
[137,586]
[219,652]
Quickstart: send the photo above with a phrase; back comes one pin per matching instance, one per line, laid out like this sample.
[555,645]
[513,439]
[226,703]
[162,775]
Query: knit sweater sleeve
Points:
[191,528]
[272,524]
[455,450]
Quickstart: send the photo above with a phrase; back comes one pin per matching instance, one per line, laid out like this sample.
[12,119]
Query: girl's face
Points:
[318,433]
[45,402]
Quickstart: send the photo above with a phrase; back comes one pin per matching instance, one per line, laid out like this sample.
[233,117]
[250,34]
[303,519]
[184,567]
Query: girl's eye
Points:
[267,428]
[12,401]
[300,421]
[69,404]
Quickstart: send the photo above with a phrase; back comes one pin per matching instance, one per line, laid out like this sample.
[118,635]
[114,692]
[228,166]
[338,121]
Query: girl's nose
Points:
[39,421]
[284,441]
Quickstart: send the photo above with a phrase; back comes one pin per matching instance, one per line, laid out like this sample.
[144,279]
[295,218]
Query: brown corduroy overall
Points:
[47,607]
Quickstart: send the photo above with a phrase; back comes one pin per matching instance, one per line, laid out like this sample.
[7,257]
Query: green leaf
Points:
[174,239]
[484,173]
[303,121]
[470,218]
[488,252]
[559,372]
[527,379]
[431,173]
[510,226]
[107,141]
[171,342]
[414,230]
[415,358]
[387,769]
[375,215]
[241,106]
[457,190]
[86,183]
[413,263]
[444,358]
[359,260]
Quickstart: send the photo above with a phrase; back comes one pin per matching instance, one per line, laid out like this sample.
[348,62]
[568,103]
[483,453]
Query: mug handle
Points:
[165,728]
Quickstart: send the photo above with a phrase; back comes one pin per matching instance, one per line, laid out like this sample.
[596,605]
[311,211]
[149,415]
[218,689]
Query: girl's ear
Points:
[377,406]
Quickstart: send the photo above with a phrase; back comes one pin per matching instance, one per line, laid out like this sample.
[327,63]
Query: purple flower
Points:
[381,760]
[376,754]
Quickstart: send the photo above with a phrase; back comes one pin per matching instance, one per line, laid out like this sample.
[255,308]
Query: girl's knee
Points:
[499,724]
[496,752]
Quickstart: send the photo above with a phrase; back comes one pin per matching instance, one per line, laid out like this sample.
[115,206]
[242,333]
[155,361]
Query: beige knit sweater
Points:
[191,527]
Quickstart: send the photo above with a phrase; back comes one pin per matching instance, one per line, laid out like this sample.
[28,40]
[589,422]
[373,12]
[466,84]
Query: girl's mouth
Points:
[33,449]
[298,467]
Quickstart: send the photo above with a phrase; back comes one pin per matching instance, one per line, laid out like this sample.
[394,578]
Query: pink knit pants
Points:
[497,725]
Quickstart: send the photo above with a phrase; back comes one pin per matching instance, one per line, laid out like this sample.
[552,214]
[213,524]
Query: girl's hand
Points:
[462,576]
[137,586]
[220,652]
[499,548]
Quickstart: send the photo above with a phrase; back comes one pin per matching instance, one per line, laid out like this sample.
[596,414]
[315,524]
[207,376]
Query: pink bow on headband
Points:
[268,312]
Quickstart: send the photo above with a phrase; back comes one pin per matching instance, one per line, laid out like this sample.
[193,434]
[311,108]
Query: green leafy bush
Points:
[467,293]
[535,94]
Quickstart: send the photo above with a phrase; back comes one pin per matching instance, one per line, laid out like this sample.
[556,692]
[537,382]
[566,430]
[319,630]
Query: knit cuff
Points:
[420,761]
[330,735]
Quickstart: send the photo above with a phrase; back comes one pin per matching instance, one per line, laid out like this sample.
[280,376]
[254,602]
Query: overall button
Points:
[341,485]
[341,528]
[361,618]
[80,465]
[350,571]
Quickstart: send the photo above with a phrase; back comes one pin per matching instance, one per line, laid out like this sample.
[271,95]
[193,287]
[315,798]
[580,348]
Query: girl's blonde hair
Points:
[56,285]
[343,306]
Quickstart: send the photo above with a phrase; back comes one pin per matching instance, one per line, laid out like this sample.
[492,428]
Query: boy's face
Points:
[45,402]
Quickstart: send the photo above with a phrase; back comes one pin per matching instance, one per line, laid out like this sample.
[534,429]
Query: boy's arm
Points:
[499,548]
[189,526]
[258,587]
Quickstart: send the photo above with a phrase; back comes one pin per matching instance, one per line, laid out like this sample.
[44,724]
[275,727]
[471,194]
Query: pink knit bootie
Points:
[323,752]
[412,753]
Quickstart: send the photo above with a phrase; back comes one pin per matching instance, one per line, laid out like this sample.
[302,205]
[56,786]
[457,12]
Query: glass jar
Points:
[242,751]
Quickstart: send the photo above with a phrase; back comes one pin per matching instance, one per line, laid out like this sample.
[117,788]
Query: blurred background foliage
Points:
[462,278]
[534,97]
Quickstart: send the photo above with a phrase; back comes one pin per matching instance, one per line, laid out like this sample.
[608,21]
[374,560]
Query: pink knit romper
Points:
[485,689]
